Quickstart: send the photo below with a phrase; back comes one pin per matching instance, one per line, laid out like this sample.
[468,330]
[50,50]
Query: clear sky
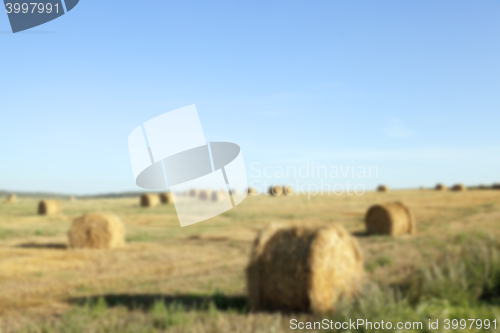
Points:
[412,87]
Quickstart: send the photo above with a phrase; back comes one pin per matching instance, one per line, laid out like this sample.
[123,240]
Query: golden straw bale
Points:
[96,231]
[166,197]
[72,198]
[441,187]
[287,190]
[252,191]
[219,195]
[383,188]
[303,268]
[150,200]
[276,190]
[458,188]
[11,198]
[49,207]
[205,195]
[392,219]
[194,192]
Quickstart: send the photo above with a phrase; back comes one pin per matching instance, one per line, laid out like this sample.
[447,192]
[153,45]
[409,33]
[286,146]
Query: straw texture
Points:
[303,268]
[166,198]
[383,188]
[392,219]
[96,231]
[441,187]
[49,207]
[150,200]
[458,188]
[276,190]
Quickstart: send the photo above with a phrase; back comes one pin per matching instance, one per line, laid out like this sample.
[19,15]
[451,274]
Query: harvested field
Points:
[42,280]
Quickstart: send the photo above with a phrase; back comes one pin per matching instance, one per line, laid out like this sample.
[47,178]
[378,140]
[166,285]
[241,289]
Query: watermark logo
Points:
[311,179]
[205,179]
[26,15]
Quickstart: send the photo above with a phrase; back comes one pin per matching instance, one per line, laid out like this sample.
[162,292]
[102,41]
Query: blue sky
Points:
[411,87]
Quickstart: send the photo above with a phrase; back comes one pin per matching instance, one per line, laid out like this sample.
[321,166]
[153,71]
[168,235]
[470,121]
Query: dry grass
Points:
[38,275]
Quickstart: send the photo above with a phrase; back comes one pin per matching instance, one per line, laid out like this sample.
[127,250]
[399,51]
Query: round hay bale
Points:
[194,192]
[276,190]
[96,231]
[49,207]
[392,219]
[382,188]
[72,198]
[219,195]
[441,187]
[287,190]
[166,198]
[150,200]
[205,195]
[458,188]
[303,268]
[11,198]
[252,191]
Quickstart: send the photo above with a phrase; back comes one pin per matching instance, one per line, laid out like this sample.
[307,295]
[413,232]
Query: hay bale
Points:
[458,188]
[11,198]
[276,190]
[287,190]
[303,268]
[150,200]
[219,195]
[441,187]
[252,191]
[72,198]
[49,207]
[205,195]
[166,198]
[194,192]
[96,231]
[382,188]
[392,219]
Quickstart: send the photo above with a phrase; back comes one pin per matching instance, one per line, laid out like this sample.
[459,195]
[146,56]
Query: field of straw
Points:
[192,279]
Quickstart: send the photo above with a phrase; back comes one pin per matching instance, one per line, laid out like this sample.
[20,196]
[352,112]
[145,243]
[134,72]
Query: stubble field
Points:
[192,279]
